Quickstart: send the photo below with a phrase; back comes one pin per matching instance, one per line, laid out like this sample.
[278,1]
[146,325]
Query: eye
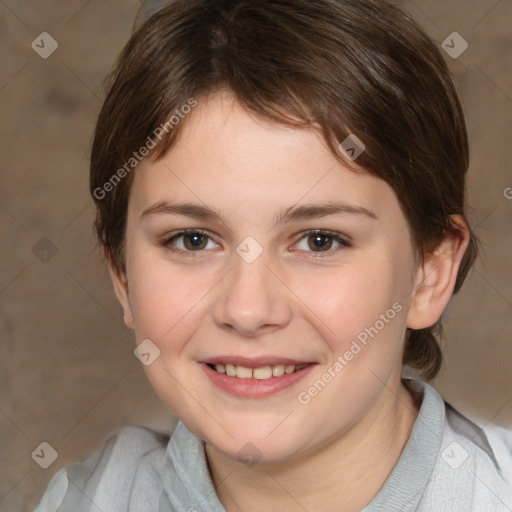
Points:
[193,241]
[323,240]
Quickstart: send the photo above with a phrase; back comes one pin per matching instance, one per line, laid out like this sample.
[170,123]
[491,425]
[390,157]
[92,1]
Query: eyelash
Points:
[167,242]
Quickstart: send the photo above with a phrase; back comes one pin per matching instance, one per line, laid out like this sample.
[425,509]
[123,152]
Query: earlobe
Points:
[120,284]
[437,276]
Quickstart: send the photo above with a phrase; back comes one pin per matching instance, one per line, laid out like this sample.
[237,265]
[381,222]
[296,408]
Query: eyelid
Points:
[165,242]
[342,239]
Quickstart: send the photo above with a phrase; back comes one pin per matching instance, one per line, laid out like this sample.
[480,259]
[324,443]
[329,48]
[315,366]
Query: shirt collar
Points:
[404,487]
[187,484]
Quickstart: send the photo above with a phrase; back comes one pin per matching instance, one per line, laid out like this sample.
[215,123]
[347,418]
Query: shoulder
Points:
[489,446]
[474,468]
[131,457]
[500,440]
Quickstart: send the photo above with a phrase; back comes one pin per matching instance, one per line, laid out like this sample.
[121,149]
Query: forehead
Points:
[233,160]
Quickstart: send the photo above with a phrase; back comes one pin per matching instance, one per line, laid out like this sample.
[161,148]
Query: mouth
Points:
[263,372]
[255,378]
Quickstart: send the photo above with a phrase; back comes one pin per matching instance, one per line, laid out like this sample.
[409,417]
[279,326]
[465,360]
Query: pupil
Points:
[318,241]
[195,240]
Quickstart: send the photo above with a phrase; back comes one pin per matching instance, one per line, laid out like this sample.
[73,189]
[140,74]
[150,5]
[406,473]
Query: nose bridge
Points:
[252,297]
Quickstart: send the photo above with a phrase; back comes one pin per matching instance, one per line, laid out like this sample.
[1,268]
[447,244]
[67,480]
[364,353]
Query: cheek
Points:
[364,311]
[163,298]
[353,298]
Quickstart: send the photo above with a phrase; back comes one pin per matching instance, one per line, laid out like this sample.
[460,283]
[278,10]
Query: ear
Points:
[120,284]
[436,277]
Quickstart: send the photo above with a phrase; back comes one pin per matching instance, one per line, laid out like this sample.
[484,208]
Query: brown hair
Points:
[360,67]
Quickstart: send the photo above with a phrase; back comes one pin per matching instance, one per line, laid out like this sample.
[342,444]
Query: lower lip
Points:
[255,388]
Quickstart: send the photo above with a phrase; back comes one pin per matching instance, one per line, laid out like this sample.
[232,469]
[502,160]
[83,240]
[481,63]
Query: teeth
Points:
[243,373]
[261,373]
[278,370]
[289,368]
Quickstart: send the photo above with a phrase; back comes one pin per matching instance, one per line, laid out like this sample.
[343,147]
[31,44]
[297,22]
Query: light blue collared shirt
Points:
[448,465]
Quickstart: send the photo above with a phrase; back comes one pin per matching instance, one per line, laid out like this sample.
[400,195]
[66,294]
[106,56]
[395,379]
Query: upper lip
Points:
[253,362]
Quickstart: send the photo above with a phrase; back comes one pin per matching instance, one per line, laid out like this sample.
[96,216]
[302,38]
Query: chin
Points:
[248,445]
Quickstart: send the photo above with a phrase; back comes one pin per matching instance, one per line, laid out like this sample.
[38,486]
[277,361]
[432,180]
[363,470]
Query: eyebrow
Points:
[289,215]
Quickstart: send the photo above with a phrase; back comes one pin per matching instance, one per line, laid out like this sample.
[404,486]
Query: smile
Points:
[260,373]
[255,378]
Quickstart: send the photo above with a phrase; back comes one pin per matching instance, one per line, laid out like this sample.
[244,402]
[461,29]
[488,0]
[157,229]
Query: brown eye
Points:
[192,241]
[322,241]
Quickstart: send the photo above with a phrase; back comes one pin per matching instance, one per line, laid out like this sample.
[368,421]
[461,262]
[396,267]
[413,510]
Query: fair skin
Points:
[335,452]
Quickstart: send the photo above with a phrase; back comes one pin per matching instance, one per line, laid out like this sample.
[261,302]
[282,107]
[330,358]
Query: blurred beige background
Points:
[68,375]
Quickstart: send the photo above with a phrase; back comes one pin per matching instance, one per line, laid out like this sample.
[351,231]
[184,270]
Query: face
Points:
[271,286]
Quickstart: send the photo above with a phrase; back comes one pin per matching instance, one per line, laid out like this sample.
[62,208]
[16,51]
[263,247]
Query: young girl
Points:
[280,193]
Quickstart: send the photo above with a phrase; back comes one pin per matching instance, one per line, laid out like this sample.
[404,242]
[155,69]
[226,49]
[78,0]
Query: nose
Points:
[253,300]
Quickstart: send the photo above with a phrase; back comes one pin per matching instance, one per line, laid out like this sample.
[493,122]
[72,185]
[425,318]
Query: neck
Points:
[343,475]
